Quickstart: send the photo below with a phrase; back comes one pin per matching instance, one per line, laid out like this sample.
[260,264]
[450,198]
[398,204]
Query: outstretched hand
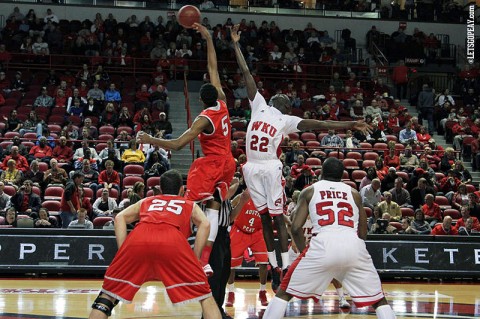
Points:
[235,34]
[143,138]
[202,30]
[362,127]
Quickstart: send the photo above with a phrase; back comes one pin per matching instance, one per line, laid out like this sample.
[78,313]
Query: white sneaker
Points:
[342,303]
[208,270]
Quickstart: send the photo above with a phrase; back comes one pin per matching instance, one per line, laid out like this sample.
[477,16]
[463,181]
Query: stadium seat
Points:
[321,136]
[5,144]
[149,193]
[56,119]
[345,176]
[133,170]
[355,155]
[336,154]
[312,144]
[239,126]
[129,181]
[26,222]
[28,144]
[99,222]
[37,190]
[318,154]
[54,128]
[358,175]
[11,135]
[391,138]
[53,193]
[32,136]
[350,183]
[53,206]
[9,190]
[106,129]
[100,146]
[88,192]
[153,181]
[308,136]
[471,188]
[368,211]
[2,220]
[294,136]
[380,146]
[128,129]
[403,175]
[350,163]
[42,166]
[397,225]
[239,135]
[407,212]
[368,163]
[105,137]
[371,156]
[455,214]
[366,145]
[112,192]
[399,147]
[443,202]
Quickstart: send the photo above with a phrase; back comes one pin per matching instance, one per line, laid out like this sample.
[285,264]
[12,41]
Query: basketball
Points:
[188,15]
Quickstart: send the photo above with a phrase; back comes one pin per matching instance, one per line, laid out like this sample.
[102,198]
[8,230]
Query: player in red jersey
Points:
[210,176]
[155,250]
[246,233]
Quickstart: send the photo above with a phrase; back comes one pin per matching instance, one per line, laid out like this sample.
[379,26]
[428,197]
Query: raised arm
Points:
[238,202]
[313,125]
[300,216]
[198,126]
[212,60]
[250,82]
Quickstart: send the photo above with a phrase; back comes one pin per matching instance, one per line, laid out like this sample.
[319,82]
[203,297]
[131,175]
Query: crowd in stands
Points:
[73,129]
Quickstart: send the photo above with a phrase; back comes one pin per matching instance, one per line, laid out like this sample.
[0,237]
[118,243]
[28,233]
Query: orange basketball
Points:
[188,15]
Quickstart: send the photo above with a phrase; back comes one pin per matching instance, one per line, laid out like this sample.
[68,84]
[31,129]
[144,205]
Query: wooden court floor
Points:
[68,298]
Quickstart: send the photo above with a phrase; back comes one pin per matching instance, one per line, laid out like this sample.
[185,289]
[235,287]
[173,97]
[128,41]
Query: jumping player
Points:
[210,176]
[263,170]
[246,233]
[336,250]
[156,248]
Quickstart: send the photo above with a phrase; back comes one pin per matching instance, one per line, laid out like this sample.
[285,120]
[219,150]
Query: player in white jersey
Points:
[263,170]
[336,250]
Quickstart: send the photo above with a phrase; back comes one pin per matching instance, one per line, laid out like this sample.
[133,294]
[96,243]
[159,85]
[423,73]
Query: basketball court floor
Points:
[69,298]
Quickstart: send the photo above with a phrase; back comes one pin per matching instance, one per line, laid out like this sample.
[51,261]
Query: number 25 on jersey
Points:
[173,206]
[327,216]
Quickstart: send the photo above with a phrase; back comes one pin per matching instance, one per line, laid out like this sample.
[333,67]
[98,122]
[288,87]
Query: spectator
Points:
[50,17]
[419,225]
[370,194]
[367,180]
[392,159]
[447,161]
[431,210]
[32,125]
[122,141]
[400,79]
[133,154]
[460,198]
[466,218]
[236,151]
[11,175]
[55,176]
[299,167]
[388,182]
[92,130]
[400,195]
[374,111]
[11,217]
[154,165]
[445,228]
[449,184]
[104,205]
[25,201]
[406,226]
[109,178]
[390,207]
[426,100]
[422,136]
[34,174]
[163,126]
[17,83]
[351,141]
[81,221]
[407,136]
[109,116]
[41,152]
[63,153]
[13,124]
[96,93]
[44,220]
[112,95]
[44,100]
[462,173]
[418,193]
[20,161]
[237,114]
[90,176]
[331,140]
[377,135]
[408,161]
[292,155]
[468,229]
[4,199]
[40,47]
[306,178]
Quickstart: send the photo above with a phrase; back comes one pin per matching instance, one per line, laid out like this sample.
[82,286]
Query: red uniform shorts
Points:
[156,252]
[208,174]
[239,241]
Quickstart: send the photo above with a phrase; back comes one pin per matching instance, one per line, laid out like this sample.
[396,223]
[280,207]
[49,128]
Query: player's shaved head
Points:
[332,170]
[208,95]
[281,102]
[170,182]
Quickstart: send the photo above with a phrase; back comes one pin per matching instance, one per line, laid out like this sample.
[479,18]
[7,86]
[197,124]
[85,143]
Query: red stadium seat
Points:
[380,146]
[455,214]
[112,192]
[294,136]
[318,154]
[2,220]
[6,144]
[368,163]
[345,176]
[407,212]
[350,183]
[128,129]
[443,202]
[129,181]
[133,170]
[471,188]
[350,164]
[53,206]
[30,136]
[153,181]
[397,225]
[107,129]
[239,135]
[308,136]
[56,119]
[28,145]
[372,156]
[100,146]
[368,211]
[358,175]
[239,126]
[53,193]
[105,137]
[391,138]
[354,155]
[313,144]
[11,135]
[9,190]
[42,166]
[99,222]
[366,145]
[403,175]
[313,162]
[336,154]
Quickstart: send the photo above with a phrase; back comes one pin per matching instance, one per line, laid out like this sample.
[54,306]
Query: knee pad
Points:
[104,305]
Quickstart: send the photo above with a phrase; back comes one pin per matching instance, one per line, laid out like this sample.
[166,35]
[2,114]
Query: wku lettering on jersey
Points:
[264,127]
[332,195]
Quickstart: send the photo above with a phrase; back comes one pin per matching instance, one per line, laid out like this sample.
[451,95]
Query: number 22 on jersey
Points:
[327,216]
[173,206]
[259,143]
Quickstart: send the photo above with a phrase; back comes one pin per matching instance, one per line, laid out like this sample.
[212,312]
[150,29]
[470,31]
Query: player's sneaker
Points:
[262,296]
[208,270]
[343,303]
[230,299]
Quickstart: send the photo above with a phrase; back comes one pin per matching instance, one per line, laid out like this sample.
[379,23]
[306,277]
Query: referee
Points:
[220,258]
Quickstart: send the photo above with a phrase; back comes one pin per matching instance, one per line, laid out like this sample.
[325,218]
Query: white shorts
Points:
[265,185]
[342,256]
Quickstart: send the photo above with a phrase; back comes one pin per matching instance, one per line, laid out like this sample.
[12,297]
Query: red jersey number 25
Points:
[327,215]
[173,206]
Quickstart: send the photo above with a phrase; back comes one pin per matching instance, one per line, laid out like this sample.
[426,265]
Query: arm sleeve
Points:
[291,123]
[258,103]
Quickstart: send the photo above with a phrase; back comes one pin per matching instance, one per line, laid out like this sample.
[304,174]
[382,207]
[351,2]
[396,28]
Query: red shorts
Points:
[239,241]
[208,174]
[155,252]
